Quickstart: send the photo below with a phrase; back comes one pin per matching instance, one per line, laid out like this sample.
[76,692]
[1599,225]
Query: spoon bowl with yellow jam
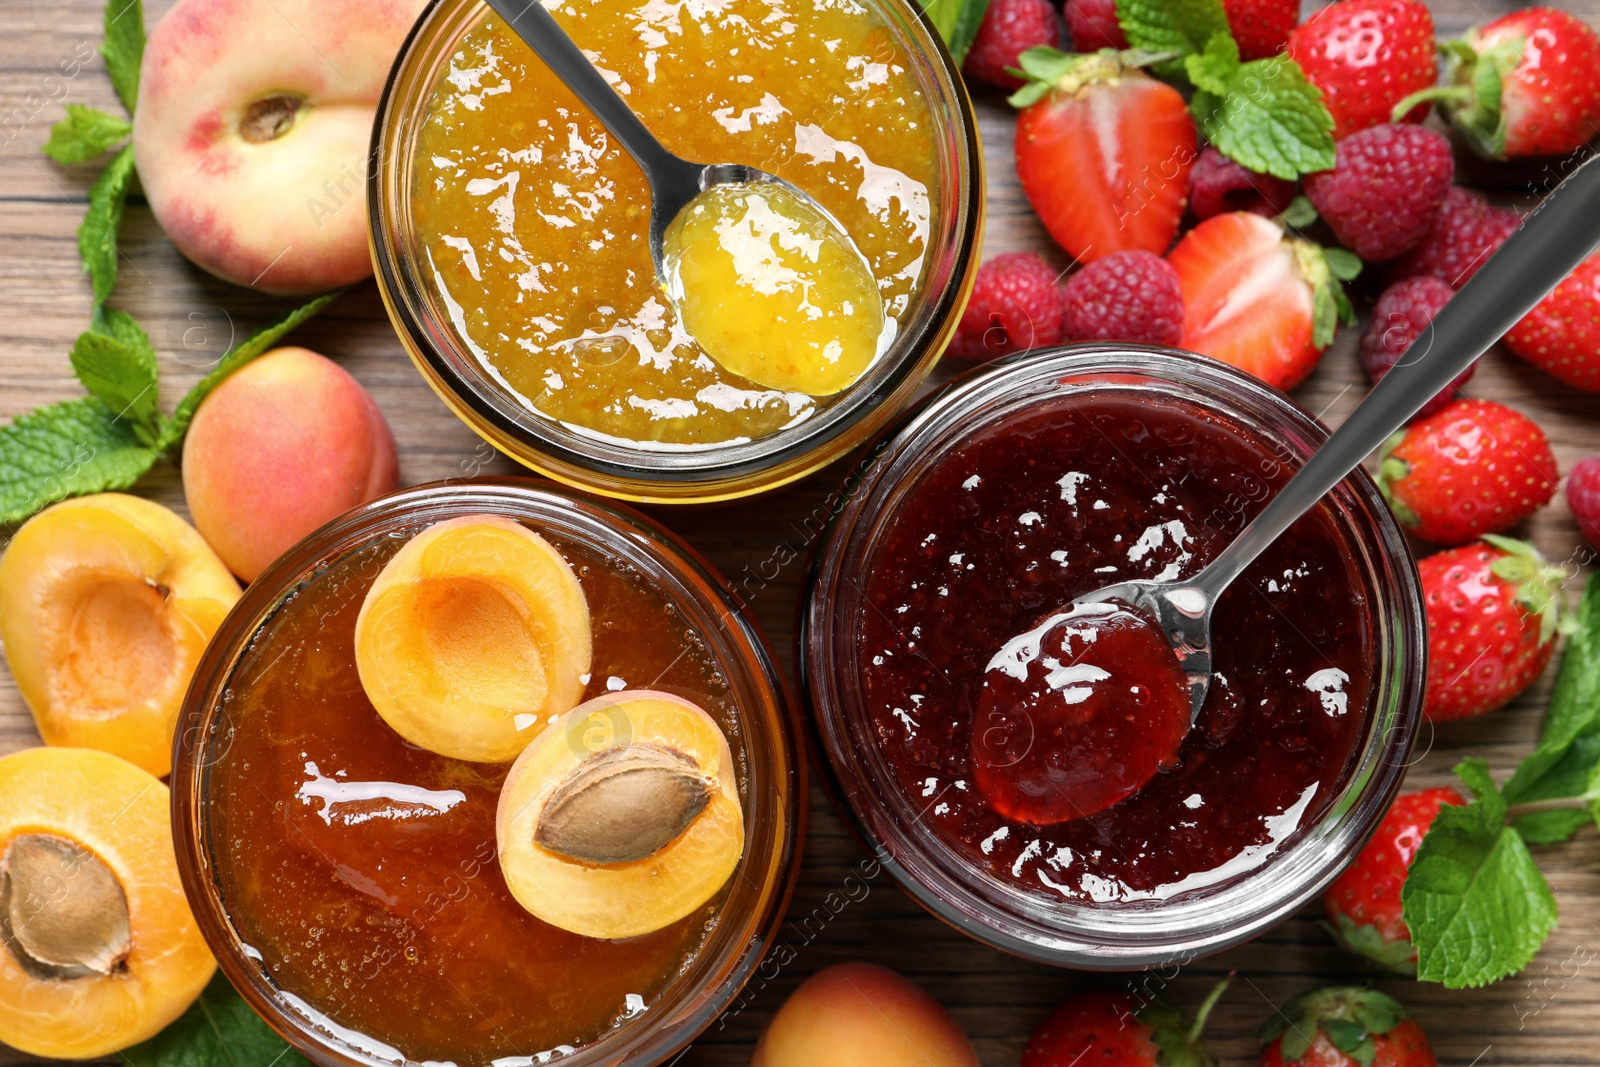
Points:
[511,236]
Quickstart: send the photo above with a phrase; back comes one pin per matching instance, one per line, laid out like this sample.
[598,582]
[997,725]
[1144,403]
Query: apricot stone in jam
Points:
[622,817]
[100,948]
[106,603]
[473,636]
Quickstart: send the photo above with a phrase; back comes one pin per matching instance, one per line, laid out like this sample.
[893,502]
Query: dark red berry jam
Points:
[1070,496]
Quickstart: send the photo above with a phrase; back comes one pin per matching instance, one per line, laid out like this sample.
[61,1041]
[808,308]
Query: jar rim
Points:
[1067,933]
[589,460]
[776,796]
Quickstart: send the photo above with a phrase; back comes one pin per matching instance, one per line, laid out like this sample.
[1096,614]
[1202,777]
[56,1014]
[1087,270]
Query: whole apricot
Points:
[100,948]
[283,445]
[859,1015]
[106,603]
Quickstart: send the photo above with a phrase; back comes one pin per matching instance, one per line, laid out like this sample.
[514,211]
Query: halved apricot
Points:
[622,817]
[101,950]
[106,603]
[473,637]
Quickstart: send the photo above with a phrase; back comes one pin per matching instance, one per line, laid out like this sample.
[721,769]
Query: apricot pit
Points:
[473,636]
[622,817]
[100,948]
[106,603]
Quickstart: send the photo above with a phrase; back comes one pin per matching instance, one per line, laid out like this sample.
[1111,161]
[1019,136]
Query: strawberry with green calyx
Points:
[1103,151]
[1494,609]
[1119,1030]
[1474,467]
[1526,84]
[1344,1026]
[1363,903]
[1259,299]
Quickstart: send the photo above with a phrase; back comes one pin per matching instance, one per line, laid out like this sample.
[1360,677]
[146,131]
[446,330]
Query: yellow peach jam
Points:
[533,224]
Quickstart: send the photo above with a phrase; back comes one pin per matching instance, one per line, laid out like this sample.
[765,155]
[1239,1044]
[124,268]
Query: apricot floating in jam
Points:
[622,817]
[101,950]
[1077,714]
[472,637]
[106,603]
[773,290]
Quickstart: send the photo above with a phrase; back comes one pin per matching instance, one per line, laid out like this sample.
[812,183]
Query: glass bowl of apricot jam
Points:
[593,872]
[1047,476]
[510,235]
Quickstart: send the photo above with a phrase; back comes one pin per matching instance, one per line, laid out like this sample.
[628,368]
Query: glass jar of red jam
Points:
[348,881]
[1033,481]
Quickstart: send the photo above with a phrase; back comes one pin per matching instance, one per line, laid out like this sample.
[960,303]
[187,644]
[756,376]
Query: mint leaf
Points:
[67,449]
[97,234]
[85,133]
[1263,114]
[1184,27]
[1477,905]
[218,1030]
[116,362]
[957,22]
[123,48]
[248,349]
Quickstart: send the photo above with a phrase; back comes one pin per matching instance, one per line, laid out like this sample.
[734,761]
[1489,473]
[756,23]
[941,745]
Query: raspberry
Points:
[1015,306]
[1465,231]
[1126,296]
[1094,25]
[1009,28]
[1218,185]
[1382,192]
[1583,495]
[1403,310]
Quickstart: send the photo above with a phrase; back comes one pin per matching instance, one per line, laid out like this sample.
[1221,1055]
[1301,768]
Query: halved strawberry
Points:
[1103,152]
[1258,299]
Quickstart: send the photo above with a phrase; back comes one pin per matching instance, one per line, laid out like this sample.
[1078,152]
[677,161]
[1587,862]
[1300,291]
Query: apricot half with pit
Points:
[106,603]
[101,950]
[472,637]
[622,817]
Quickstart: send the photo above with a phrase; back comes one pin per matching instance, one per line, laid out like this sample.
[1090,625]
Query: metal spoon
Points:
[674,181]
[1559,234]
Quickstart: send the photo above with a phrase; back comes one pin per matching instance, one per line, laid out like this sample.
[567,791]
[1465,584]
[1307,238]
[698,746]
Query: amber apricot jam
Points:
[360,872]
[1026,768]
[534,226]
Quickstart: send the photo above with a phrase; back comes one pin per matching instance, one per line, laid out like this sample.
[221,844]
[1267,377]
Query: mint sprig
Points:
[116,363]
[1182,27]
[86,133]
[219,1028]
[1263,114]
[97,234]
[123,48]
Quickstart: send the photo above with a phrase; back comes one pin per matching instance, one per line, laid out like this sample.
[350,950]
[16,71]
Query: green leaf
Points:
[1183,27]
[1345,264]
[123,48]
[116,362]
[218,1030]
[77,446]
[1574,710]
[1299,214]
[1367,940]
[97,235]
[1263,114]
[251,347]
[1477,905]
[85,133]
[957,22]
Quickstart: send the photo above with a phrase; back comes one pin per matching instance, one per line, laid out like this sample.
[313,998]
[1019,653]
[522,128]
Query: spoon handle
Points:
[529,20]
[1560,233]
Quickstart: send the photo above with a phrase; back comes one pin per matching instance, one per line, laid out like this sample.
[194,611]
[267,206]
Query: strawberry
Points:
[1344,1026]
[1264,302]
[1527,84]
[1562,333]
[1261,27]
[1365,56]
[1473,468]
[1364,901]
[1117,1030]
[1493,611]
[1103,152]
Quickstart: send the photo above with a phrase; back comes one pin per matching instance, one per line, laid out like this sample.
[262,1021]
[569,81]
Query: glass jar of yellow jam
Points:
[510,234]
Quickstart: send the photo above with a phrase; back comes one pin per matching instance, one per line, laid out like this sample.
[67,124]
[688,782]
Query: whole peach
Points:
[284,444]
[858,1015]
[252,129]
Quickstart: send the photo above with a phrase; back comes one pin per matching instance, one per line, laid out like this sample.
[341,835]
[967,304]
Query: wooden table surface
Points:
[1548,1015]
